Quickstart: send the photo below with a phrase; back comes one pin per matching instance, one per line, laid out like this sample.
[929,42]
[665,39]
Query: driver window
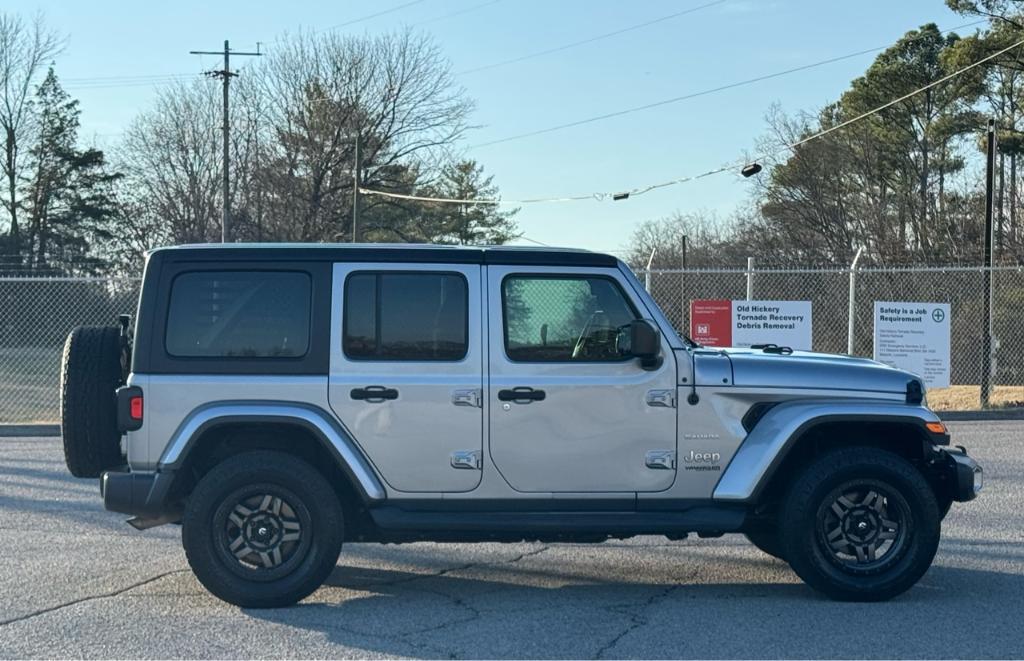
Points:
[565,319]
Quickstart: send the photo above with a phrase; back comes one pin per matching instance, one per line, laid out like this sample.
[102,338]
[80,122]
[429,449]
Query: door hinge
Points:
[661,459]
[665,398]
[466,459]
[468,397]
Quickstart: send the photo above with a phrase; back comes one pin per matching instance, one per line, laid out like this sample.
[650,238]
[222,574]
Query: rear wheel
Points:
[91,372]
[860,524]
[262,529]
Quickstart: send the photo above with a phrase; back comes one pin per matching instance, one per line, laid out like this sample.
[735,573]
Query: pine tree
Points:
[69,196]
[471,224]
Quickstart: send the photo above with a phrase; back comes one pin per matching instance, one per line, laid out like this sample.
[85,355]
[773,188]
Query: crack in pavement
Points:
[94,597]
[410,637]
[638,612]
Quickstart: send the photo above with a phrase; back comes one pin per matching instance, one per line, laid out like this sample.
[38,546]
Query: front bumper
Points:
[967,474]
[141,494]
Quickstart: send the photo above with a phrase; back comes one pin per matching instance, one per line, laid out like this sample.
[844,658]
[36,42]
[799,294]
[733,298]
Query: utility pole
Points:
[225,75]
[986,337]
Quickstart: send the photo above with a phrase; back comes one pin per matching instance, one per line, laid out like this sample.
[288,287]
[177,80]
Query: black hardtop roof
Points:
[385,252]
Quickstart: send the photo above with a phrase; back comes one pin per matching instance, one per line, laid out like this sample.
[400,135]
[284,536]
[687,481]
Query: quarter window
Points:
[565,319]
[406,316]
[239,314]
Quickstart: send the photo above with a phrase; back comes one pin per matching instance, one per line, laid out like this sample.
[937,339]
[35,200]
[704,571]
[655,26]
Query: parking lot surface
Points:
[77,582]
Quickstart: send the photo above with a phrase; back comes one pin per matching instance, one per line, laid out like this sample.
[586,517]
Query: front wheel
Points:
[262,530]
[766,540]
[860,524]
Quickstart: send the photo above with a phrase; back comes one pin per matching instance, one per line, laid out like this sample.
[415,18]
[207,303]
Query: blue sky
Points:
[730,41]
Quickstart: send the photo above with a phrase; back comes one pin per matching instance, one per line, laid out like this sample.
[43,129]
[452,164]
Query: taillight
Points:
[135,408]
[130,406]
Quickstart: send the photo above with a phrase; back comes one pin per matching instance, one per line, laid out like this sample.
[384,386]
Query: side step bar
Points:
[717,519]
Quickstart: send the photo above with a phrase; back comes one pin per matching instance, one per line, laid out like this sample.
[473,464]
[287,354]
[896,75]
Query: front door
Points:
[570,411]
[407,371]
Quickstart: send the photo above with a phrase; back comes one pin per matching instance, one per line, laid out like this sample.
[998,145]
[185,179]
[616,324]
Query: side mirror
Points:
[645,343]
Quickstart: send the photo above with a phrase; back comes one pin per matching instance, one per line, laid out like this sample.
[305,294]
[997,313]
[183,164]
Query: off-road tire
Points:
[303,488]
[945,503]
[90,374]
[766,540]
[805,548]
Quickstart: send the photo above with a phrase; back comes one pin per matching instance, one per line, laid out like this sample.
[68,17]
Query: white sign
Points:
[914,337]
[785,323]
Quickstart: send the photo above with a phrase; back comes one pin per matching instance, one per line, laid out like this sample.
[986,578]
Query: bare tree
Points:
[25,48]
[137,228]
[710,242]
[394,92]
[171,157]
[295,118]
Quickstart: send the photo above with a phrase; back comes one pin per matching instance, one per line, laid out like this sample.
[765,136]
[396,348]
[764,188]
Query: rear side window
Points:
[239,314]
[406,316]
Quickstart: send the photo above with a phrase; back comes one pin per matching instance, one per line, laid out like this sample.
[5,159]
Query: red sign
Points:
[711,322]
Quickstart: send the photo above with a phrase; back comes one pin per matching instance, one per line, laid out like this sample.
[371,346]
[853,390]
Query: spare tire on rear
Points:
[90,374]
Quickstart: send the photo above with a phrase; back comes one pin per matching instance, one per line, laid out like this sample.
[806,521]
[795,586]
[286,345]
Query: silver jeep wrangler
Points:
[279,400]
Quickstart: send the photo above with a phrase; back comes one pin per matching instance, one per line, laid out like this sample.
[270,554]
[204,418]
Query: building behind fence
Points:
[36,315]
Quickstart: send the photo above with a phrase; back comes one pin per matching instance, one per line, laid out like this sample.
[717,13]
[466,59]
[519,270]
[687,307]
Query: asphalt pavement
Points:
[75,581]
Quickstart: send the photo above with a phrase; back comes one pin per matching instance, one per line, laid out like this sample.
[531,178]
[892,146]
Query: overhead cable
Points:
[692,95]
[589,40]
[621,195]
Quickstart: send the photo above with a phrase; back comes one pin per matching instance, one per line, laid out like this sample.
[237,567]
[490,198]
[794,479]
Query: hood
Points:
[805,369]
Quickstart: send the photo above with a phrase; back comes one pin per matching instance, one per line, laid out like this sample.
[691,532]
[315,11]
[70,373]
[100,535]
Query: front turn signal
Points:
[935,427]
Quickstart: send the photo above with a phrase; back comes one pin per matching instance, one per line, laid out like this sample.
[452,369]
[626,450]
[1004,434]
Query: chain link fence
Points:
[830,293]
[37,313]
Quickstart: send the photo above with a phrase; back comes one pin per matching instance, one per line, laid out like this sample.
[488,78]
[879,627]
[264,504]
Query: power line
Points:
[692,95]
[369,16]
[458,12]
[621,195]
[451,200]
[589,40]
[139,80]
[156,82]
[105,79]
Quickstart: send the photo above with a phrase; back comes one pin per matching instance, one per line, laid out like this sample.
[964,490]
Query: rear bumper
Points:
[145,495]
[968,476]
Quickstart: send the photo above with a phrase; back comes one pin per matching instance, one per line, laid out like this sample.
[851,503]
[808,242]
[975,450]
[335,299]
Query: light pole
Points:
[356,184]
[986,299]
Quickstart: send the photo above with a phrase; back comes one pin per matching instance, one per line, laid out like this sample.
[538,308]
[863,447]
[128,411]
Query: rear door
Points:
[570,411]
[407,370]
